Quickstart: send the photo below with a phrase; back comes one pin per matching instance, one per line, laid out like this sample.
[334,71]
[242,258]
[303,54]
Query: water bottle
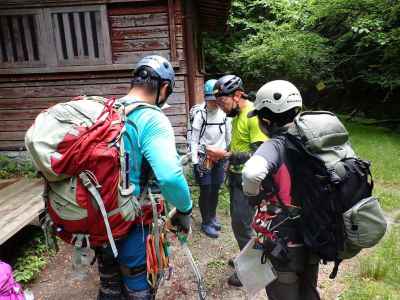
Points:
[81,260]
[28,295]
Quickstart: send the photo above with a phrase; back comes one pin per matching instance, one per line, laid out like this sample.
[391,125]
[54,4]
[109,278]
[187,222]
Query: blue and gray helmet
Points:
[209,90]
[161,66]
[227,85]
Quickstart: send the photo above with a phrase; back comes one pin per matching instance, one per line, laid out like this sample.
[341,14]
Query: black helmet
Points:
[227,85]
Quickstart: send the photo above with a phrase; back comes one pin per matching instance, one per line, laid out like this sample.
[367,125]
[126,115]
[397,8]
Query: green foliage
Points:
[10,168]
[366,36]
[378,275]
[32,259]
[351,45]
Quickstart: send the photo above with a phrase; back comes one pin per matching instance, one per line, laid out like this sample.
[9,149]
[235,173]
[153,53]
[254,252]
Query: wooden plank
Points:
[178,120]
[174,109]
[89,34]
[139,20]
[140,45]
[123,11]
[43,103]
[12,135]
[68,36]
[129,33]
[106,36]
[148,44]
[89,80]
[28,38]
[180,130]
[6,182]
[26,214]
[29,92]
[56,3]
[134,57]
[46,35]
[17,40]
[12,146]
[57,36]
[22,186]
[172,31]
[180,139]
[99,67]
[99,33]
[19,114]
[78,30]
[7,38]
[17,125]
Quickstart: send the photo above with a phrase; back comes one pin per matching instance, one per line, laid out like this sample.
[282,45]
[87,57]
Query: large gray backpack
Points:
[333,186]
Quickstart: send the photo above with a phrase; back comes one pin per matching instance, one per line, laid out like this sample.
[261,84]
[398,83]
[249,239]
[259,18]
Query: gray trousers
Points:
[297,279]
[241,212]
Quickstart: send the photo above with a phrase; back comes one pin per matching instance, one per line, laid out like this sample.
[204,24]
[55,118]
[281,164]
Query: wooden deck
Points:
[20,203]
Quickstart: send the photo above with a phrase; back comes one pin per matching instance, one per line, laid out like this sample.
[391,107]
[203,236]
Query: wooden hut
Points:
[52,50]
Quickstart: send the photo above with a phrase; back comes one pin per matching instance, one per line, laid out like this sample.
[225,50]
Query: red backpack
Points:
[78,147]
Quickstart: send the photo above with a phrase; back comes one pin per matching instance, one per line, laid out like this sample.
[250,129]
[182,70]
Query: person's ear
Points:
[237,95]
[164,89]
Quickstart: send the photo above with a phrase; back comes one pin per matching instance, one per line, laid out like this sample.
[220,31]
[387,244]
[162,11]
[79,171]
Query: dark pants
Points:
[241,212]
[297,279]
[132,255]
[210,184]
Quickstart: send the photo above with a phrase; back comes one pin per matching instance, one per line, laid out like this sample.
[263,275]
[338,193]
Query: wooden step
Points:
[20,203]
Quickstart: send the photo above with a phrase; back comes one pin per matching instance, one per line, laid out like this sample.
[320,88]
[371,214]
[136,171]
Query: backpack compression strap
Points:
[99,201]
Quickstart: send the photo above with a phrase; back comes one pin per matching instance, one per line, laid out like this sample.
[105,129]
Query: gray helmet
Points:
[161,66]
[227,85]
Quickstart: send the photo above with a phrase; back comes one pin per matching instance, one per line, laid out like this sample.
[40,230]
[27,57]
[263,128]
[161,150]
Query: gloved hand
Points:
[198,171]
[182,221]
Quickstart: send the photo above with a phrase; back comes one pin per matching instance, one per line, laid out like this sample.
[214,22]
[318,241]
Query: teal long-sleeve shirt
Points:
[153,138]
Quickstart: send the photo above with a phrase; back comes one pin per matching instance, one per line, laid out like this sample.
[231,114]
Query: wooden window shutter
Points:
[80,35]
[21,38]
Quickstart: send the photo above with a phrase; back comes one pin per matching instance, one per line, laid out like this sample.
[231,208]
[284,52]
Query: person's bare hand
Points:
[215,153]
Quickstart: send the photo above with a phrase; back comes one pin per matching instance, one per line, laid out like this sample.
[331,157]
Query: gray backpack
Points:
[340,216]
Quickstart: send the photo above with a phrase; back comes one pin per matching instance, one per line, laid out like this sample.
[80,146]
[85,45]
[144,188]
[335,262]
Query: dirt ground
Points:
[59,282]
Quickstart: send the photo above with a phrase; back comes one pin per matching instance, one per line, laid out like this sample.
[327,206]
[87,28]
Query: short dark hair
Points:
[146,78]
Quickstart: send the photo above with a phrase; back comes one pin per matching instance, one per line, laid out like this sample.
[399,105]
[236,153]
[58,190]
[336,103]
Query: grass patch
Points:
[379,145]
[378,276]
[32,259]
[382,147]
[10,168]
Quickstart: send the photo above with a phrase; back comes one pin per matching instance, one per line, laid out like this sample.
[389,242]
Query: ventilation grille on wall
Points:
[19,39]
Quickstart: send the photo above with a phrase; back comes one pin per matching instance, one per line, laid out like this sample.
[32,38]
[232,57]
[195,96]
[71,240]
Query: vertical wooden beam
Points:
[189,11]
[172,30]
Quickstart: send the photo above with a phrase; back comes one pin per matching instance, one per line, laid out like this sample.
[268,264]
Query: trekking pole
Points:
[201,289]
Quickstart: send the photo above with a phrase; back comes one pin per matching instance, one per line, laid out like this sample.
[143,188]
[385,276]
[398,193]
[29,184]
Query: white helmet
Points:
[278,96]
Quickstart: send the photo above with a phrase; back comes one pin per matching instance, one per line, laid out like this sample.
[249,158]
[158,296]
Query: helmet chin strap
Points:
[234,112]
[157,100]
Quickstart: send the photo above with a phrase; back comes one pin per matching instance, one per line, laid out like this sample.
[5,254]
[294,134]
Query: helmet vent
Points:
[277,96]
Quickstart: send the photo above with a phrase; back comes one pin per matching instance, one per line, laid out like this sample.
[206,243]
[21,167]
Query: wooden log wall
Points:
[135,32]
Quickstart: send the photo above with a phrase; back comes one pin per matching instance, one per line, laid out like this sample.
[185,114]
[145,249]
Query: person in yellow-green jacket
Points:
[246,138]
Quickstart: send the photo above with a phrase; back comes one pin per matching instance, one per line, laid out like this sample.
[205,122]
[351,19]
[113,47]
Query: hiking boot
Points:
[234,280]
[209,231]
[216,224]
[231,263]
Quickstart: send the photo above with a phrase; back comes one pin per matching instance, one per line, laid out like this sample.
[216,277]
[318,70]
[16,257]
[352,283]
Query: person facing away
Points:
[210,127]
[266,175]
[246,137]
[149,141]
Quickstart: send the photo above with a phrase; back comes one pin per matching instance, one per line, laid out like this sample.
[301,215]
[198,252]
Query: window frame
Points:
[41,37]
[50,61]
